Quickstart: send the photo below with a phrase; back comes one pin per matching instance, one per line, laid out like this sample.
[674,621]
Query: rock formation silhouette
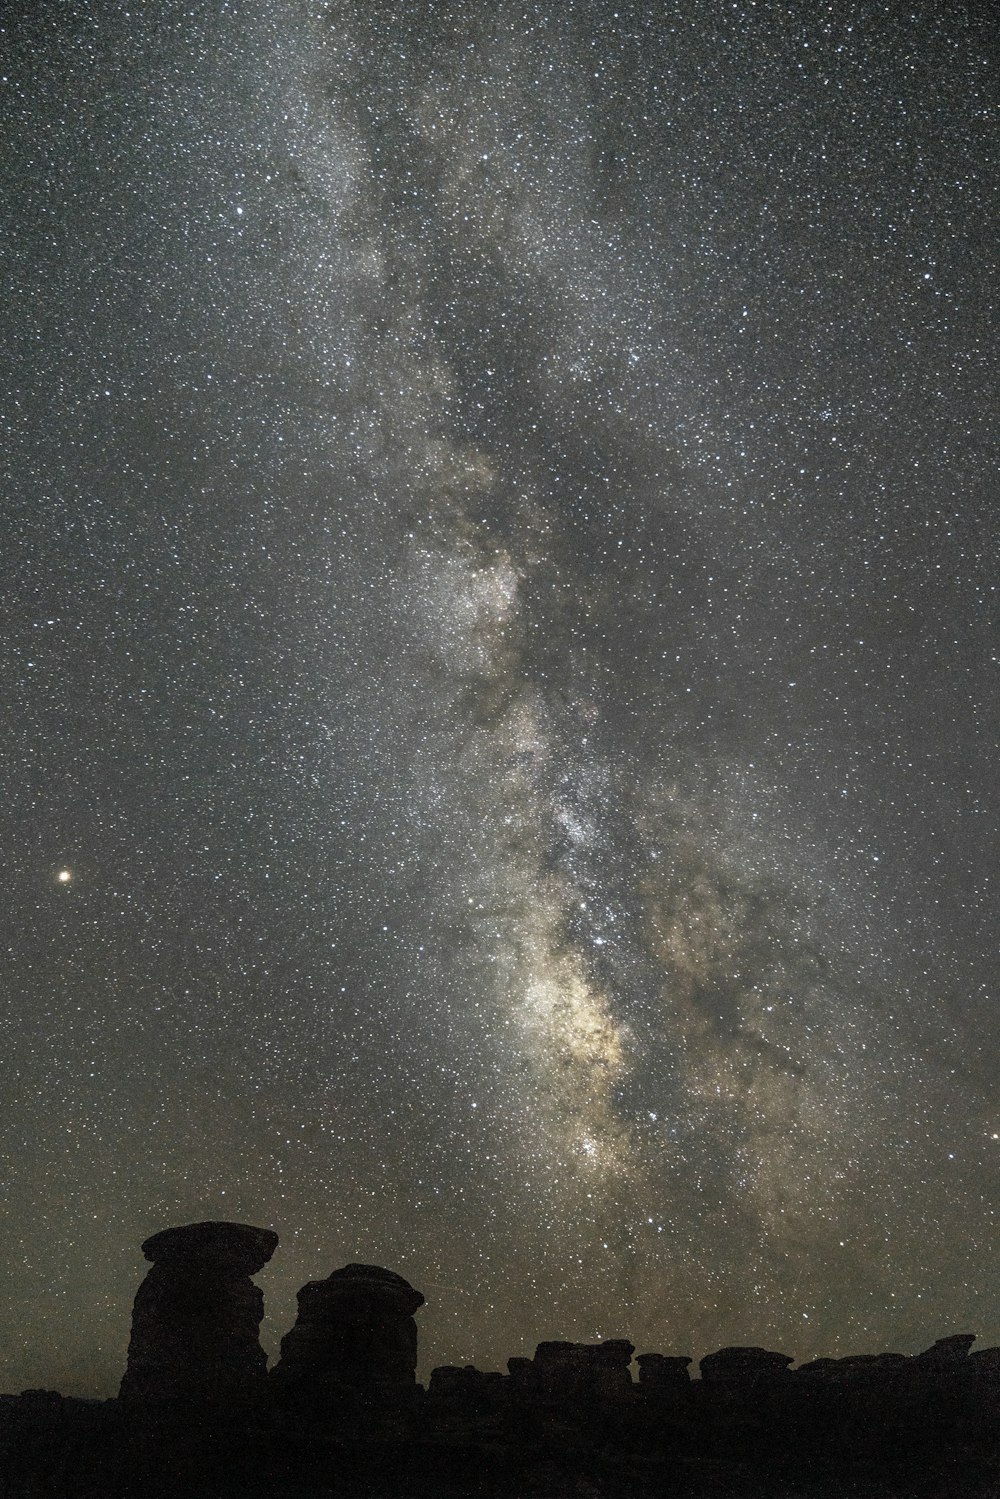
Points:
[355,1339]
[575,1373]
[196,1316]
[342,1414]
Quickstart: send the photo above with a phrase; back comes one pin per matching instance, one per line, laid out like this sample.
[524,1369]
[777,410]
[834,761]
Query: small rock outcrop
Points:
[581,1371]
[355,1336]
[744,1368]
[860,1371]
[196,1316]
[948,1351]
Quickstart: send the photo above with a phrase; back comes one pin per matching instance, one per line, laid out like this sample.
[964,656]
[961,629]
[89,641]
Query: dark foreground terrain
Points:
[199,1414]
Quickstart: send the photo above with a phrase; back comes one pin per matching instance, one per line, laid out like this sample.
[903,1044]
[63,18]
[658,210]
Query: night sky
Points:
[499,554]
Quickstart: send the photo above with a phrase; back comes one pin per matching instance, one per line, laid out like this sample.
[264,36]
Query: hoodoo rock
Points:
[196,1316]
[354,1337]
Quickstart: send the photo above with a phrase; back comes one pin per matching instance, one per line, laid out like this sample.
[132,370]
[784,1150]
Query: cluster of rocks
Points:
[341,1411]
[197,1315]
[588,1374]
[196,1323]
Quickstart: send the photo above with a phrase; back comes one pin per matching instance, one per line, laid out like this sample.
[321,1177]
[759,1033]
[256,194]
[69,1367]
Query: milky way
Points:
[500,667]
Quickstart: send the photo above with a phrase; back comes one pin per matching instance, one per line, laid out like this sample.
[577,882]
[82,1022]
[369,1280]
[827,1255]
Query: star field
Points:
[500,666]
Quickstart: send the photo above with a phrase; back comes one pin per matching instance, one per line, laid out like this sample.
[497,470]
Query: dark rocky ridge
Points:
[341,1414]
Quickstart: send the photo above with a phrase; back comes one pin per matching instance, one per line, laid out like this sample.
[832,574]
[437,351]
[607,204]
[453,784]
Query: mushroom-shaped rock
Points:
[196,1316]
[354,1333]
[744,1367]
[232,1248]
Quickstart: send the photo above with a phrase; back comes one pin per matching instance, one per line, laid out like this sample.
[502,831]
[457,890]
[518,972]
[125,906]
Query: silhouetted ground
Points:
[200,1416]
[910,1434]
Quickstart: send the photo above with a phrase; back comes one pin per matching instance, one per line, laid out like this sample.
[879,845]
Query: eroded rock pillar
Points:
[354,1338]
[196,1316]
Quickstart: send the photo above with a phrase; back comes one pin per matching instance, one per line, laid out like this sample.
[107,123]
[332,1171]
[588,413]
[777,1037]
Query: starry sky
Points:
[499,551]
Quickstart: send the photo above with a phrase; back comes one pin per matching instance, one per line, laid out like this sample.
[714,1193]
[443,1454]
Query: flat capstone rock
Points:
[239,1248]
